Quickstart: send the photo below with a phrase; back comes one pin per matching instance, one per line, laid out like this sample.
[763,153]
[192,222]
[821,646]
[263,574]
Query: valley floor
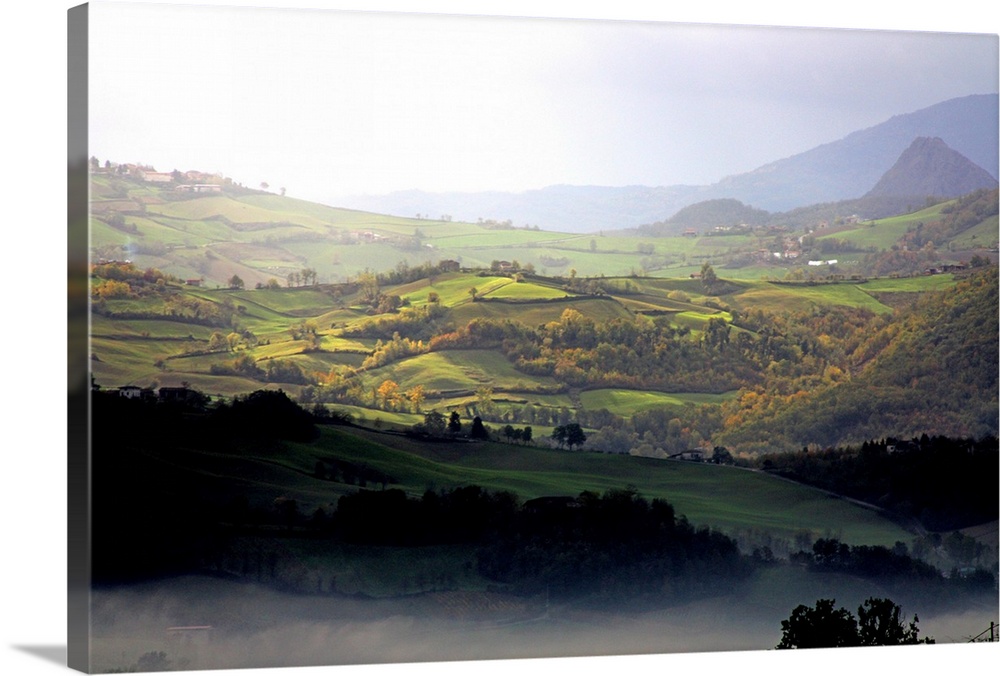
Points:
[253,626]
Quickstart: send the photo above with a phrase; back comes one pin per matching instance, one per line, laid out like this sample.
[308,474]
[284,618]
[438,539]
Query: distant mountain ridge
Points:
[836,171]
[930,167]
[848,168]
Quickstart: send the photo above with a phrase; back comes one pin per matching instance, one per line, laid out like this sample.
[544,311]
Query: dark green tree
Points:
[478,430]
[708,276]
[717,333]
[575,435]
[721,455]
[819,627]
[435,422]
[879,624]
[454,423]
[570,434]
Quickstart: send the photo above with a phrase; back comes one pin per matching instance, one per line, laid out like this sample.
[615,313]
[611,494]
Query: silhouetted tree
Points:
[434,423]
[574,435]
[721,455]
[819,627]
[478,430]
[878,623]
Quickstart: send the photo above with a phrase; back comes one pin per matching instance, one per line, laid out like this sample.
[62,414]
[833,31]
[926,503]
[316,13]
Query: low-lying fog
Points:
[253,626]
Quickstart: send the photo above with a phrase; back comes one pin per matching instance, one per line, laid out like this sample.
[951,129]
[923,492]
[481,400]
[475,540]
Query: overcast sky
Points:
[328,103]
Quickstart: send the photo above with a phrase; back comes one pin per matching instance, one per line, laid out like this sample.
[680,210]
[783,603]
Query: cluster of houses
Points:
[942,269]
[187,181]
[693,455]
[367,236]
[193,181]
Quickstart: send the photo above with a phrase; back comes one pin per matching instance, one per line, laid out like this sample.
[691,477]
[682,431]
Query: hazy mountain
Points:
[848,168]
[927,168]
[708,214]
[841,170]
[930,167]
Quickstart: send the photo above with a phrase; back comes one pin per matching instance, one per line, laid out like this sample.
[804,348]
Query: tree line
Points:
[944,483]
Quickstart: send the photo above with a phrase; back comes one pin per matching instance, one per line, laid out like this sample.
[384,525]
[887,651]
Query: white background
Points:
[33,445]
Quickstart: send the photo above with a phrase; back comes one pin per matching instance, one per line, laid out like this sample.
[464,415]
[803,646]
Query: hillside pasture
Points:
[542,312]
[726,498]
[296,302]
[156,329]
[132,361]
[458,370]
[909,284]
[452,288]
[885,232]
[187,231]
[803,296]
[527,291]
[290,207]
[323,361]
[336,261]
[627,403]
[232,210]
[980,236]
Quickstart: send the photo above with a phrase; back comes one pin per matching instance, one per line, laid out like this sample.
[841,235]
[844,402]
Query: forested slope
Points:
[933,367]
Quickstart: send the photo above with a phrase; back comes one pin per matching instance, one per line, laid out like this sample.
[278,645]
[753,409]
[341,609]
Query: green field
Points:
[170,351]
[527,291]
[983,235]
[885,232]
[726,498]
[628,402]
[541,313]
[458,370]
[805,296]
[909,284]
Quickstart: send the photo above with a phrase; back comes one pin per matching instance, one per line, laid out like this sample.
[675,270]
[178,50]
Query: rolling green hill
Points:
[228,294]
[753,505]
[651,366]
[267,238]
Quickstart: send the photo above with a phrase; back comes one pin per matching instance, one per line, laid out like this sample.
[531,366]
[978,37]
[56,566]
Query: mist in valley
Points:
[211,623]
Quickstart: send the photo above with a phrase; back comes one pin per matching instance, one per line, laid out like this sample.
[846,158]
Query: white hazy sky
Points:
[327,103]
